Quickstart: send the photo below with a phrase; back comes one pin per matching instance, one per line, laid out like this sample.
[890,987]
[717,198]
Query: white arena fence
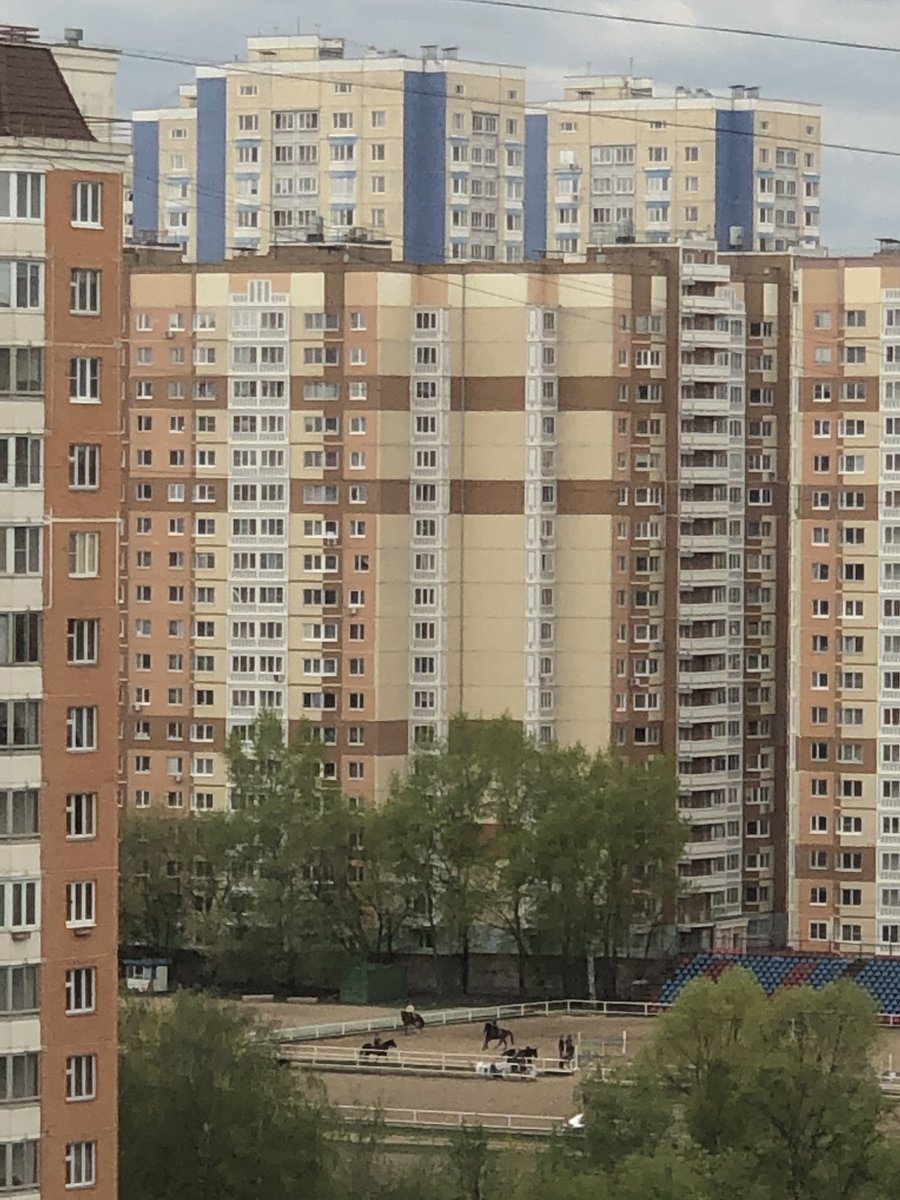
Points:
[465,1016]
[403,1059]
[433,1118]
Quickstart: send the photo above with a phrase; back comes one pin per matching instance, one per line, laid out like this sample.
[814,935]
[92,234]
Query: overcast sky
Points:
[861,192]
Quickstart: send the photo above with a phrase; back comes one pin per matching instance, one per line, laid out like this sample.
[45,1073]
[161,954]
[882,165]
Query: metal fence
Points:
[425,1062]
[465,1016]
[435,1118]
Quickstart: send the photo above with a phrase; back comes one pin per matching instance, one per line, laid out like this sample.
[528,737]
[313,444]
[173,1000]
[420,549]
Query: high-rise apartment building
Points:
[60,378]
[624,161]
[437,156]
[299,141]
[845,686]
[372,495]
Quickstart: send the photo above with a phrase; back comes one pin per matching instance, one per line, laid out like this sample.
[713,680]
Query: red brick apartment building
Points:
[61,304]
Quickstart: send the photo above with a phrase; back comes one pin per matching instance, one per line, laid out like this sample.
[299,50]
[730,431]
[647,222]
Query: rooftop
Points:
[35,100]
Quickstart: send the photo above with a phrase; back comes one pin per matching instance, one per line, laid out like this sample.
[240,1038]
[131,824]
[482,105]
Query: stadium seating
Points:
[879,976]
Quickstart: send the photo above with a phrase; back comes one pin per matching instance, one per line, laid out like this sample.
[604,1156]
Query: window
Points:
[81,989]
[84,380]
[21,195]
[84,294]
[19,989]
[84,554]
[80,904]
[81,815]
[81,1167]
[19,904]
[19,724]
[84,466]
[18,1160]
[81,1077]
[21,370]
[82,640]
[18,813]
[81,728]
[21,284]
[86,203]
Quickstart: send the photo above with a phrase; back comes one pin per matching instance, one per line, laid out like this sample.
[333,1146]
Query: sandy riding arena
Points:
[600,1040]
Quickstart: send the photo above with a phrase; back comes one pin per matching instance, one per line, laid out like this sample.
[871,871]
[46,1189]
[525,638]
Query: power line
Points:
[657,22]
[550,107]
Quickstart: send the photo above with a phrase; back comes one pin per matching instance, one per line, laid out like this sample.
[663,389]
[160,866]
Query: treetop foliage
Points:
[555,849]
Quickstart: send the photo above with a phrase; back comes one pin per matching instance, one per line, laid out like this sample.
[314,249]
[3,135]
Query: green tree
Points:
[434,820]
[607,839]
[297,840]
[629,1115]
[382,900]
[779,1093]
[206,1111]
[515,763]
[175,880]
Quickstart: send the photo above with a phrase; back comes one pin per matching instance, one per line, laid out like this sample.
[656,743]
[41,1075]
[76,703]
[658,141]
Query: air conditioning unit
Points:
[178,778]
[170,333]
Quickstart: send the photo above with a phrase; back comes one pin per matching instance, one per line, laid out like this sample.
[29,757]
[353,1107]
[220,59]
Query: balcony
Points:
[705,272]
[704,643]
[701,303]
[698,337]
[705,372]
[715,845]
[699,542]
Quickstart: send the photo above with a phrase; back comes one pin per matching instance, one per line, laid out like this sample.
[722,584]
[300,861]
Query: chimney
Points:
[451,52]
[429,53]
[73,37]
[738,90]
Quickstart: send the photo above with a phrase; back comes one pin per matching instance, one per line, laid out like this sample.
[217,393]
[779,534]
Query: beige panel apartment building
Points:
[373,495]
[299,141]
[627,160]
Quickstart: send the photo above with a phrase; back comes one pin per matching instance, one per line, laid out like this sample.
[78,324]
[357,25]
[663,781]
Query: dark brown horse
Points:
[377,1048]
[494,1033]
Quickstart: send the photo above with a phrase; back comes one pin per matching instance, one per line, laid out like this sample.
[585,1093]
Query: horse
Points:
[523,1054]
[412,1020]
[379,1049]
[521,1061]
[493,1033]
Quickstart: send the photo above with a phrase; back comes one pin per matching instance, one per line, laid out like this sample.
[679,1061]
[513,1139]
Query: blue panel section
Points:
[734,175]
[535,184]
[211,106]
[424,165]
[145,151]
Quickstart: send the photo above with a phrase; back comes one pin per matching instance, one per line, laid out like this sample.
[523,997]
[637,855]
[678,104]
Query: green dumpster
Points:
[374,983]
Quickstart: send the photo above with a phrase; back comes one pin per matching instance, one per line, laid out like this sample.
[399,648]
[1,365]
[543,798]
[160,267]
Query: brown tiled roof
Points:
[35,100]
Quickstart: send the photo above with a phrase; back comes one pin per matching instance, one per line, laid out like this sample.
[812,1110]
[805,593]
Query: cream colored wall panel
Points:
[395,291]
[492,290]
[585,447]
[384,769]
[307,292]
[488,694]
[588,291]
[494,445]
[393,457]
[862,286]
